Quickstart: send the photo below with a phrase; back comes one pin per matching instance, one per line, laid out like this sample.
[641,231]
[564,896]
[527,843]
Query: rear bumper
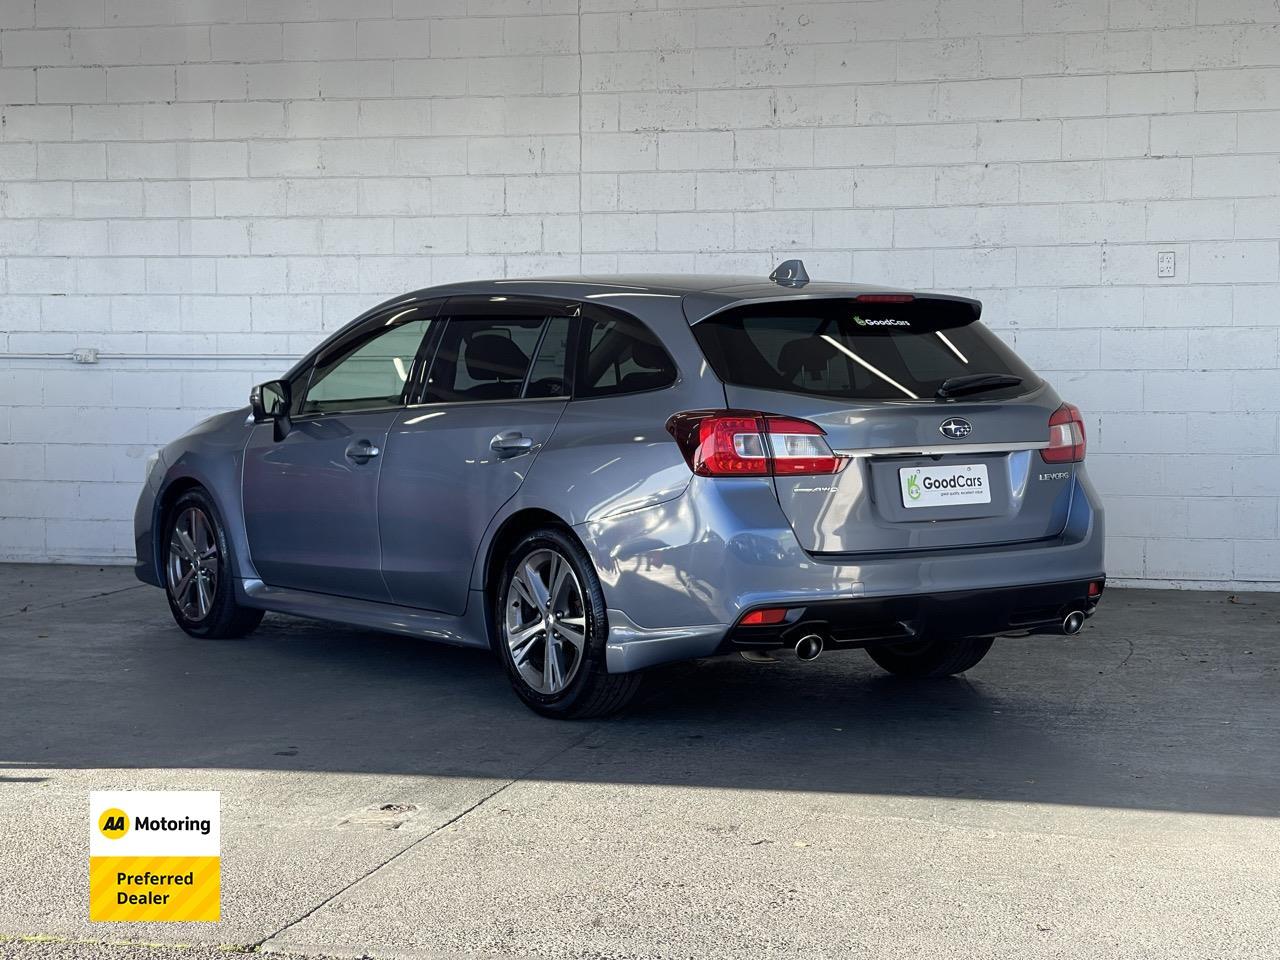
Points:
[677,576]
[865,621]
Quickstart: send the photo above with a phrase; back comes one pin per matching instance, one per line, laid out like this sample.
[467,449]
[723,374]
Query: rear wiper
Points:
[976,383]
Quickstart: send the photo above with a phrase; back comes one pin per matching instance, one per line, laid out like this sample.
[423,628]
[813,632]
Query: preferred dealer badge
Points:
[153,855]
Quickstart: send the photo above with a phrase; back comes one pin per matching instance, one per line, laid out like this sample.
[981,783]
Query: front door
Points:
[311,498]
[492,398]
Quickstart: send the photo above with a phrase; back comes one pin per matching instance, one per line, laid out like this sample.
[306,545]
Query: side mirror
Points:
[270,404]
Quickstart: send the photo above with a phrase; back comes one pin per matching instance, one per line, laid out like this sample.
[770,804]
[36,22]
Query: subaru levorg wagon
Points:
[595,475]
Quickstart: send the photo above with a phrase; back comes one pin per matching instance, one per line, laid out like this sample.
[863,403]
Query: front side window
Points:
[371,371]
[850,350]
[618,356]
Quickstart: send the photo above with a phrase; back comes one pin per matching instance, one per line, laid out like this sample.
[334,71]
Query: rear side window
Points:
[483,358]
[618,355]
[547,379]
[852,350]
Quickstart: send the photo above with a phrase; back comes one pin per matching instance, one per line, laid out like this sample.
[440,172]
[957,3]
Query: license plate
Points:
[951,486]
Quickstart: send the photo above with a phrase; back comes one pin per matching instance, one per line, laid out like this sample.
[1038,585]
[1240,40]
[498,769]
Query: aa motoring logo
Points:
[114,824]
[154,855]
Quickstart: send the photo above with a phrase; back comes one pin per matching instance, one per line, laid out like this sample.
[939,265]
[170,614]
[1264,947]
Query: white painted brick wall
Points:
[222,179]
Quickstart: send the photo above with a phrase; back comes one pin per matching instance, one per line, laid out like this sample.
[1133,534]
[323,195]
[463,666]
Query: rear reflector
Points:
[744,443]
[1095,588]
[1066,436]
[763,618]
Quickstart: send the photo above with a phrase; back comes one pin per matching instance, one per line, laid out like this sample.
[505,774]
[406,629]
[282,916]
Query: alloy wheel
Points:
[192,564]
[545,624]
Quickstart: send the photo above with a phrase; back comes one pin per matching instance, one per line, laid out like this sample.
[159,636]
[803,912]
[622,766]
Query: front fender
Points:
[210,455]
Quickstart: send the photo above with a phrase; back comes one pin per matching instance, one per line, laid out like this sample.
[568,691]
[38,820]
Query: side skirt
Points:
[467,630]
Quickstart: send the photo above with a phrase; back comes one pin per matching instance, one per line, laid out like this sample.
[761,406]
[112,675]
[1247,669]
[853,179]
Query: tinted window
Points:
[621,356]
[857,351]
[371,370]
[483,358]
[547,378]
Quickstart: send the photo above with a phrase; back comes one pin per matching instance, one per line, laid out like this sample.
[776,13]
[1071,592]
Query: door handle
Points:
[362,451]
[511,444]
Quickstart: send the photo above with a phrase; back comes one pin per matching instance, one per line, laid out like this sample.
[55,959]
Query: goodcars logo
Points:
[886,322]
[956,482]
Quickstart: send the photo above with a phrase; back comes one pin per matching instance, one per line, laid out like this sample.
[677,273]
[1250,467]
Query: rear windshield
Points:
[850,350]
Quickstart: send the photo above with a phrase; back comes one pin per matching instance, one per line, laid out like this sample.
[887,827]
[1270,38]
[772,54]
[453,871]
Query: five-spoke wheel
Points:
[551,626]
[196,570]
[546,624]
[192,565]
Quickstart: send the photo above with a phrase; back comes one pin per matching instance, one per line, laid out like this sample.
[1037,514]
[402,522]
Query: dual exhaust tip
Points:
[809,647]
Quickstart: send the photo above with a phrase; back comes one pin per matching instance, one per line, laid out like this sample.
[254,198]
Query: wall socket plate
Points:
[1166,263]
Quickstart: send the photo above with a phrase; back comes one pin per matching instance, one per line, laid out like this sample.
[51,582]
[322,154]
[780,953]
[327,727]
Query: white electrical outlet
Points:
[1166,263]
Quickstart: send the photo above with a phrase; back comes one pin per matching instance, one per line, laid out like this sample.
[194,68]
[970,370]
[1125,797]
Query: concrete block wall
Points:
[208,186]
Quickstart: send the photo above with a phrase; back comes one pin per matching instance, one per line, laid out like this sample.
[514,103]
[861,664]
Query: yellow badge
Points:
[153,855]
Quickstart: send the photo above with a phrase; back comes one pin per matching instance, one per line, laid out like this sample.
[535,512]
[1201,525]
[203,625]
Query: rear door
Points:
[496,388]
[924,471]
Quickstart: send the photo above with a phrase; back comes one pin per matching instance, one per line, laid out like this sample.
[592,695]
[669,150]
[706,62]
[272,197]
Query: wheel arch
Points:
[508,533]
[169,495]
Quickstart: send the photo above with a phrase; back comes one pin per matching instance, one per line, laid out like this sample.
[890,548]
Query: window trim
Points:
[426,348]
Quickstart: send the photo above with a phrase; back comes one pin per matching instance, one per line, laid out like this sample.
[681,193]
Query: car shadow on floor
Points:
[1127,715]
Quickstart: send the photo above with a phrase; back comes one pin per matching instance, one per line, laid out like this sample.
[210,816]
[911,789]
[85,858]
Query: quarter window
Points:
[620,355]
[371,371]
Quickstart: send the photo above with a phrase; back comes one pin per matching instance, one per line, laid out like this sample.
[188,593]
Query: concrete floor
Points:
[1114,795]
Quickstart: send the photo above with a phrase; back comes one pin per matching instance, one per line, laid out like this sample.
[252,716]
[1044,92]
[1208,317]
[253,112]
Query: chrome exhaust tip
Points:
[809,648]
[1073,622]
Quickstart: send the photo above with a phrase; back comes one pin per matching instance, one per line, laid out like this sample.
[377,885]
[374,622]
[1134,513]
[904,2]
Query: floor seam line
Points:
[67,603]
[259,944]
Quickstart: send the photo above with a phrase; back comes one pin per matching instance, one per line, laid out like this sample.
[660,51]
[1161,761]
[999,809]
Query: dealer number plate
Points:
[944,486]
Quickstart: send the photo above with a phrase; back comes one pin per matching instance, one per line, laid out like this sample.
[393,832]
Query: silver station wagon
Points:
[595,475]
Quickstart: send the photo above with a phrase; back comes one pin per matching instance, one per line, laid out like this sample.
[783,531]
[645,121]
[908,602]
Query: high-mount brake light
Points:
[883,298]
[744,443]
[1066,436]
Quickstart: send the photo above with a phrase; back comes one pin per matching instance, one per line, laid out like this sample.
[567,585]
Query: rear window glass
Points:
[846,349]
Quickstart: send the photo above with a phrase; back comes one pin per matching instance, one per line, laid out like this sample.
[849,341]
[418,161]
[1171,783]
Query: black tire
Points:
[591,691]
[930,658]
[211,612]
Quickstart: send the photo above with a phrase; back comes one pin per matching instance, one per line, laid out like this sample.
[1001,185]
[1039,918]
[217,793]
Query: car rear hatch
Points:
[933,456]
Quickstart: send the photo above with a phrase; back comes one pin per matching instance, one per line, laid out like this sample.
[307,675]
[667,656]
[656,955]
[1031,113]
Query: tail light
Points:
[1066,436]
[743,443]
